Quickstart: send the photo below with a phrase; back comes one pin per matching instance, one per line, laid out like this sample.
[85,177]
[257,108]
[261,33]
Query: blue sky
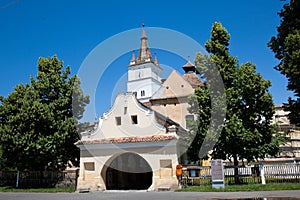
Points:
[72,29]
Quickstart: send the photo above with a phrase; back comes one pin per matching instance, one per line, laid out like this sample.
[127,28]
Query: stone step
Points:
[164,188]
[84,190]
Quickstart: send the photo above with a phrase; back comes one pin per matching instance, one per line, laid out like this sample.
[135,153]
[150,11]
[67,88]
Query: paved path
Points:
[134,195]
[148,195]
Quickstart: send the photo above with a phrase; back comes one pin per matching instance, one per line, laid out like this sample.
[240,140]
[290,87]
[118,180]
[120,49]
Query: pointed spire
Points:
[144,52]
[143,31]
[148,55]
[133,56]
[133,60]
[155,61]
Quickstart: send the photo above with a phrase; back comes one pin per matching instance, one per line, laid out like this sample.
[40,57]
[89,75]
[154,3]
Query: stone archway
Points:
[128,171]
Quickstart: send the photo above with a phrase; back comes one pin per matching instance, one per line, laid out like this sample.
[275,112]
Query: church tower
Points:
[144,73]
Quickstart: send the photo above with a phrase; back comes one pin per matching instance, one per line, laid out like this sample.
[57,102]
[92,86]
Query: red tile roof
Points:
[146,104]
[193,79]
[155,138]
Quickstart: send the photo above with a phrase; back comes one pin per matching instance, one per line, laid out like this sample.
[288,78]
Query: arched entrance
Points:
[128,171]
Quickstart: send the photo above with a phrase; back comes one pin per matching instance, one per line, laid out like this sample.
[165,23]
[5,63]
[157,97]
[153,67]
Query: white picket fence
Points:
[279,173]
[284,173]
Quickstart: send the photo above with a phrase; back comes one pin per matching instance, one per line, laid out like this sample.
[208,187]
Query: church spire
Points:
[144,52]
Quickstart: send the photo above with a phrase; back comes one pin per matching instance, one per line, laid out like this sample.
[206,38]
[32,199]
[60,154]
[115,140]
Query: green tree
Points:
[247,132]
[286,46]
[38,122]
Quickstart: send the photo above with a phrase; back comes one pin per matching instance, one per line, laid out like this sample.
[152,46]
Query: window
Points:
[125,110]
[118,121]
[134,119]
[139,74]
[143,93]
[165,163]
[89,166]
[165,168]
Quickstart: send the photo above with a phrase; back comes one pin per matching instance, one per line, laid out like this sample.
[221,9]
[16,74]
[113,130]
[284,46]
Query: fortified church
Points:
[135,145]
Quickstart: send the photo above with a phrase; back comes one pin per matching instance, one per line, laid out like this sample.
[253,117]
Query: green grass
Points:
[240,188]
[39,190]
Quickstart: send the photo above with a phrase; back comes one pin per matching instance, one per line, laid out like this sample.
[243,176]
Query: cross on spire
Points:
[189,66]
[143,24]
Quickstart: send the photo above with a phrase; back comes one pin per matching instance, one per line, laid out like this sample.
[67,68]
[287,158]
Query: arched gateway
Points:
[128,171]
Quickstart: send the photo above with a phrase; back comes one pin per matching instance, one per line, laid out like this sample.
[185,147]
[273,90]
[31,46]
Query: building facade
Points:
[292,148]
[136,143]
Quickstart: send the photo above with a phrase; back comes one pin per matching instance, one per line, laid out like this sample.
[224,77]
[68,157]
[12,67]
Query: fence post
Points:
[262,174]
[76,178]
[18,177]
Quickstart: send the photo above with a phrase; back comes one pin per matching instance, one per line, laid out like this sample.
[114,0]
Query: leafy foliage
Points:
[286,46]
[38,125]
[247,132]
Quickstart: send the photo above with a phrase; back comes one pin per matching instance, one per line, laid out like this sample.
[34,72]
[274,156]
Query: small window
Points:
[125,110]
[134,119]
[165,163]
[89,166]
[118,121]
[143,93]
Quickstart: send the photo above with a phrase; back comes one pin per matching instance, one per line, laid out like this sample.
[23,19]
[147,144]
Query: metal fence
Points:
[39,179]
[282,173]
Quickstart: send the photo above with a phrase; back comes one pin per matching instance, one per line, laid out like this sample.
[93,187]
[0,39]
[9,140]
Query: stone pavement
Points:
[138,195]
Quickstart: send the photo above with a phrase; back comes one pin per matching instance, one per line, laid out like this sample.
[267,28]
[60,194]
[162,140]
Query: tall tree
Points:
[38,122]
[286,47]
[247,132]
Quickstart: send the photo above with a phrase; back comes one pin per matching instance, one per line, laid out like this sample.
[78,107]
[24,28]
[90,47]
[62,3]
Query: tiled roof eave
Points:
[156,138]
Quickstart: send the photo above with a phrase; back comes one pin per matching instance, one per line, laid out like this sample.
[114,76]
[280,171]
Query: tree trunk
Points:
[236,170]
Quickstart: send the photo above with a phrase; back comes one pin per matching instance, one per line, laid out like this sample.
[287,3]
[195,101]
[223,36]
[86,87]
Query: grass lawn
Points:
[44,190]
[240,188]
